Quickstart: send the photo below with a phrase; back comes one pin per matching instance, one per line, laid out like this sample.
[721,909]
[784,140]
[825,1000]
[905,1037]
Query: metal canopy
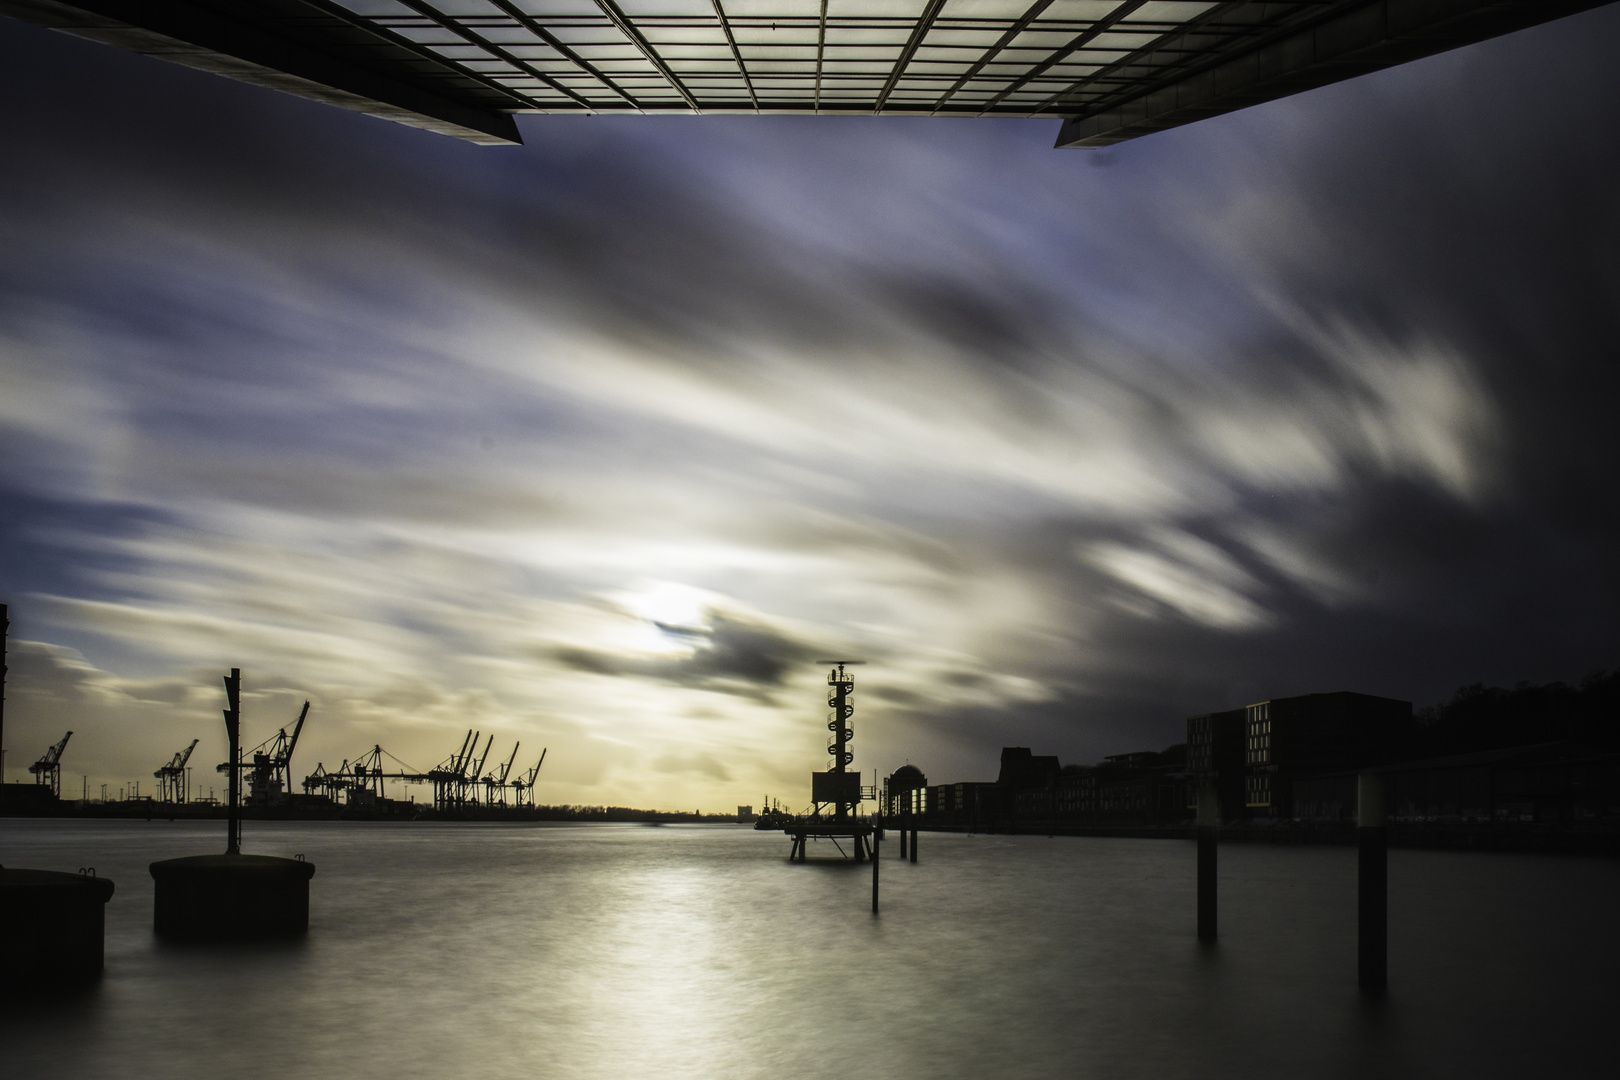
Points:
[1111,69]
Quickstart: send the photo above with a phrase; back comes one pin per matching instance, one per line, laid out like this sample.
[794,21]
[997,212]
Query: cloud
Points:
[1188,576]
[698,764]
[727,654]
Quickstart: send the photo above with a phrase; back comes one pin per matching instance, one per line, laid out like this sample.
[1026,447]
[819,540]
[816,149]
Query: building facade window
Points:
[1259,734]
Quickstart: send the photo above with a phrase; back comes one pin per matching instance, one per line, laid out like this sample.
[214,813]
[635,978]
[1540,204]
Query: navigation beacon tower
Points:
[837,788]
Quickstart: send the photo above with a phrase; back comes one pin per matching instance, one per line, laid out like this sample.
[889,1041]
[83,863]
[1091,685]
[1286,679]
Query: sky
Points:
[600,444]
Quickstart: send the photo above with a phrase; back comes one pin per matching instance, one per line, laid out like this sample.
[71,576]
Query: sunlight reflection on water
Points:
[626,952]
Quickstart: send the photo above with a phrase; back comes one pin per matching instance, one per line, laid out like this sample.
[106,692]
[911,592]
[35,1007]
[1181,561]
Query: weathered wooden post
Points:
[1372,900]
[1209,814]
[913,845]
[903,832]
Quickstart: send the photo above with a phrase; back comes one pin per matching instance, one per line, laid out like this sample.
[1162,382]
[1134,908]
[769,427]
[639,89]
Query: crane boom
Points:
[292,743]
[54,754]
[48,770]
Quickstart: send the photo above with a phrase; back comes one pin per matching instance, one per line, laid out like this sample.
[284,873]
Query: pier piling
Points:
[876,862]
[52,927]
[1208,822]
[1372,884]
[913,845]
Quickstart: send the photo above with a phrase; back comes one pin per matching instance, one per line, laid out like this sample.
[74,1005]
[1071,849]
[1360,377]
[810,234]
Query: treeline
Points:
[1480,717]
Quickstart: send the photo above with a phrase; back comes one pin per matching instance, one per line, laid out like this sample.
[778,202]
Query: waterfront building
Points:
[1559,784]
[1215,756]
[1289,739]
[905,792]
[1139,788]
[1022,769]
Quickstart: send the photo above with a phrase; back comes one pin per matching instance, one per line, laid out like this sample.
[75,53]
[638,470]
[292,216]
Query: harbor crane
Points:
[523,786]
[496,783]
[270,774]
[450,779]
[456,780]
[48,769]
[171,778]
[469,785]
[362,779]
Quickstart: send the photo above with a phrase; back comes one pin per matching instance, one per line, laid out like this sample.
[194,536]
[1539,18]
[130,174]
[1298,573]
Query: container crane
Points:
[270,775]
[450,779]
[524,785]
[470,783]
[362,780]
[171,778]
[48,769]
[495,783]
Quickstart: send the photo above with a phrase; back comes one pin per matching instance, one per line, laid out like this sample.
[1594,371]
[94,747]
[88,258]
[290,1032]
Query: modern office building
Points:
[1288,739]
[1215,756]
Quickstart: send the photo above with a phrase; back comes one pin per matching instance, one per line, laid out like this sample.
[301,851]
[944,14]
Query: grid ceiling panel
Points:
[947,57]
[1113,69]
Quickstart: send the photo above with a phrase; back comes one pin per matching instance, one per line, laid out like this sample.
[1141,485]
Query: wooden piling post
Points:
[876,862]
[913,845]
[1209,813]
[1372,886]
[903,832]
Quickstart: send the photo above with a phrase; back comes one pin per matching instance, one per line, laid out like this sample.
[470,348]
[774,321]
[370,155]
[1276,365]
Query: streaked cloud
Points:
[601,443]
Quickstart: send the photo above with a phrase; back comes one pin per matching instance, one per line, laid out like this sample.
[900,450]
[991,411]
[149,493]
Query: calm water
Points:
[634,952]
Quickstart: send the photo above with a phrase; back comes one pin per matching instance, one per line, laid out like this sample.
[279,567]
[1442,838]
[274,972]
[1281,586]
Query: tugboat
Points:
[774,818]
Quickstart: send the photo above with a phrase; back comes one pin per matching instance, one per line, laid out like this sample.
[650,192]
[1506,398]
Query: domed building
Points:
[904,791]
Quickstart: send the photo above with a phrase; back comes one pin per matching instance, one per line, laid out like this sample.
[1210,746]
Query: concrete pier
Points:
[1372,884]
[52,927]
[231,897]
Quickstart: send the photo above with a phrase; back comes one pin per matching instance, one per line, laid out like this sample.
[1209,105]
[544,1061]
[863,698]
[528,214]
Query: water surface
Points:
[627,952]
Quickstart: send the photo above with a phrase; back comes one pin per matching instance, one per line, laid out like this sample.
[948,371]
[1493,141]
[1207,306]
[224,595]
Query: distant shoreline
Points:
[402,812]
